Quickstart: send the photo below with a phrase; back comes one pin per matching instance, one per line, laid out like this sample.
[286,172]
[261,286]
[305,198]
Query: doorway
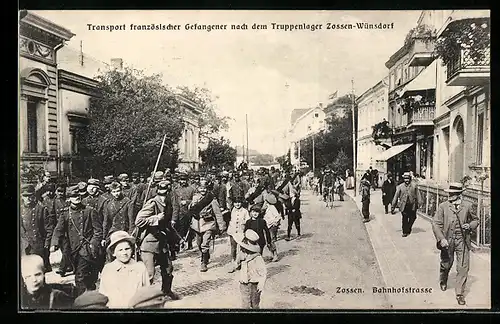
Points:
[458,149]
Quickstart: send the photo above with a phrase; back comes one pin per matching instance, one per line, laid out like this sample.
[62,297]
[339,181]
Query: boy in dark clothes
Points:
[259,225]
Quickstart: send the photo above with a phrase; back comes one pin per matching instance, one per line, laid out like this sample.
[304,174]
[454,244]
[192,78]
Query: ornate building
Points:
[189,144]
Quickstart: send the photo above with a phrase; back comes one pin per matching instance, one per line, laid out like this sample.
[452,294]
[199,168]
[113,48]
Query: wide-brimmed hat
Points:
[117,237]
[248,241]
[406,175]
[271,199]
[455,187]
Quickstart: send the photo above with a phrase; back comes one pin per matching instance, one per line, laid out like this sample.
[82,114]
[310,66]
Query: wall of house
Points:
[70,102]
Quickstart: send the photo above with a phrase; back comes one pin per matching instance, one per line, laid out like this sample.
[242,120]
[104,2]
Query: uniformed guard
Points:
[207,220]
[48,199]
[97,200]
[61,203]
[118,213]
[81,224]
[452,225]
[153,221]
[147,195]
[36,226]
[184,195]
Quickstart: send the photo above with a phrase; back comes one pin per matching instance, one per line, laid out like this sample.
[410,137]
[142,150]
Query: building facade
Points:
[189,143]
[309,123]
[372,109]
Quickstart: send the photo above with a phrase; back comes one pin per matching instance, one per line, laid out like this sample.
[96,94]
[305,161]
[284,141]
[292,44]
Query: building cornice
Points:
[380,85]
[397,56]
[456,98]
[188,103]
[71,77]
[46,25]
[442,117]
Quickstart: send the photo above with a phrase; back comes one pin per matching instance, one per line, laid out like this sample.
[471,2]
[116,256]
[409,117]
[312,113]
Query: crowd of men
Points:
[162,215]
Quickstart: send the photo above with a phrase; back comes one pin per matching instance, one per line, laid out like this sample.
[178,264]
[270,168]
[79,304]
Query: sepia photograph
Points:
[254,160]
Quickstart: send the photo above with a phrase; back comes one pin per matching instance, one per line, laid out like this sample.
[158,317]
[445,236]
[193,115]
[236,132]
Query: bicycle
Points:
[329,197]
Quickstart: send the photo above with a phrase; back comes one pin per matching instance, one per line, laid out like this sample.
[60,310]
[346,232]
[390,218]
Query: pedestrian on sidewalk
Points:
[409,200]
[239,217]
[294,215]
[388,191]
[452,225]
[122,277]
[365,199]
[253,272]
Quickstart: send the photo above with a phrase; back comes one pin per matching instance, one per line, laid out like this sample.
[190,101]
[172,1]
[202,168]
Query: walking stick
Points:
[154,171]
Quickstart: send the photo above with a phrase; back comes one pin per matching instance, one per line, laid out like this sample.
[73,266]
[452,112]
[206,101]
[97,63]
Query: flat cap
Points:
[91,299]
[123,177]
[82,186]
[94,182]
[148,297]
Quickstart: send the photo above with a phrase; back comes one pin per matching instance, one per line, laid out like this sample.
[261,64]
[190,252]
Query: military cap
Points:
[115,185]
[73,191]
[108,179]
[28,190]
[135,174]
[82,186]
[61,186]
[94,182]
[148,297]
[91,299]
[163,186]
[123,177]
[158,176]
[183,176]
[50,187]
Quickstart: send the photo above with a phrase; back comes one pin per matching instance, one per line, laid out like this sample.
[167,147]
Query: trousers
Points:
[250,297]
[365,209]
[293,220]
[203,241]
[408,218]
[86,273]
[163,260]
[234,248]
[456,248]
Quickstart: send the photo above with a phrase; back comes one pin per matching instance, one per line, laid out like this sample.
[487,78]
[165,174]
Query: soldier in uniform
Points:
[154,221]
[81,224]
[61,204]
[409,200]
[36,226]
[40,187]
[147,195]
[48,199]
[139,188]
[452,225]
[82,188]
[118,213]
[108,180]
[207,220]
[127,189]
[97,200]
[184,194]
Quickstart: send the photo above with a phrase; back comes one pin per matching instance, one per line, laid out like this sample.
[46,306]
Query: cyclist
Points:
[328,183]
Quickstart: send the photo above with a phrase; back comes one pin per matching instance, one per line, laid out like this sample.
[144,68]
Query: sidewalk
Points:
[413,261]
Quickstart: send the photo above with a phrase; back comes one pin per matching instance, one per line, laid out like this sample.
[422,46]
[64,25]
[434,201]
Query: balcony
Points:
[464,70]
[421,116]
[421,52]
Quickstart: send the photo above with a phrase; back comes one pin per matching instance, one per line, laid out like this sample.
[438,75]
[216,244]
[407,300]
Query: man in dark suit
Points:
[409,200]
[294,215]
[452,225]
[388,191]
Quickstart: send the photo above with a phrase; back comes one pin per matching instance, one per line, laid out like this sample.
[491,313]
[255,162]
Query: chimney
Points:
[321,105]
[117,63]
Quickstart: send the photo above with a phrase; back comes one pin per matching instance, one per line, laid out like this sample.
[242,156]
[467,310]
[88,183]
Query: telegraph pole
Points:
[314,154]
[246,123]
[353,138]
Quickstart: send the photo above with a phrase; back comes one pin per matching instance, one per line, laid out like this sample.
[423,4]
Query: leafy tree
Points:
[219,154]
[209,122]
[128,122]
[342,162]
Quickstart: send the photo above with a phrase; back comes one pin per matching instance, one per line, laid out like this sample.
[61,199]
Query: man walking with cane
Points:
[452,225]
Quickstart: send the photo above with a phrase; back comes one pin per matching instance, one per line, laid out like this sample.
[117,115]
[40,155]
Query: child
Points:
[253,272]
[259,225]
[121,278]
[294,215]
[239,217]
[273,220]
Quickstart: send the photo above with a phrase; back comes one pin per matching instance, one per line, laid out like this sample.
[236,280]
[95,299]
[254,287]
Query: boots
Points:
[275,256]
[167,287]
[204,262]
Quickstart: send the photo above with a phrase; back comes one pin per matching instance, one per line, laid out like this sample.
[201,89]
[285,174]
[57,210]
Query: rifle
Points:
[154,171]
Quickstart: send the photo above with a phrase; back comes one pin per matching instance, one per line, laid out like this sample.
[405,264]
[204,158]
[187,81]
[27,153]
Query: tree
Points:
[219,154]
[209,122]
[284,161]
[129,119]
[342,162]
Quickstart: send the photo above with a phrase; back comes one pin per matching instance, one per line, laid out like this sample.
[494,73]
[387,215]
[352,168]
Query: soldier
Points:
[147,195]
[185,195]
[40,187]
[82,188]
[48,199]
[154,220]
[207,220]
[108,180]
[118,213]
[452,225]
[36,226]
[97,200]
[81,224]
[60,204]
[238,189]
[127,189]
[409,200]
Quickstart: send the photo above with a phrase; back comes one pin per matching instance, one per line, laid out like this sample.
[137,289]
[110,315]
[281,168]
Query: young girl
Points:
[239,217]
[121,278]
[253,272]
[273,220]
[258,225]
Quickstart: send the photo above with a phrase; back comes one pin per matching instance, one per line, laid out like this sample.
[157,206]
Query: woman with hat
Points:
[122,277]
[273,221]
[253,273]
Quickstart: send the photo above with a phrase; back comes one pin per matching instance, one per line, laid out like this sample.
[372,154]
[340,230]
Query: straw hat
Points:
[455,187]
[117,237]
[248,241]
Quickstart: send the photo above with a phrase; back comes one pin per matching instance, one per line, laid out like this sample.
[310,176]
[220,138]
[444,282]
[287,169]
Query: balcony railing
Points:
[464,70]
[421,52]
[422,116]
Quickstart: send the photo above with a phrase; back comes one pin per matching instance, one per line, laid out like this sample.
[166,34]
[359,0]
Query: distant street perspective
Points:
[272,160]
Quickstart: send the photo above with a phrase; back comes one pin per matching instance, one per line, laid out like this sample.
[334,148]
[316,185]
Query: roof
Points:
[379,84]
[397,56]
[46,25]
[296,113]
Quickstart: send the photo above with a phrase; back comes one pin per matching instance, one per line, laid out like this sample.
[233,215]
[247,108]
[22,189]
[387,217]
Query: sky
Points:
[263,74]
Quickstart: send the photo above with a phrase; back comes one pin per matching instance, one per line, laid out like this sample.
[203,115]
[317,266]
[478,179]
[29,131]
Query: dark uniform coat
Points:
[36,229]
[118,216]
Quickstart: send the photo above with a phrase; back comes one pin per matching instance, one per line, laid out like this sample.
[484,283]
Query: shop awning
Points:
[393,151]
[424,81]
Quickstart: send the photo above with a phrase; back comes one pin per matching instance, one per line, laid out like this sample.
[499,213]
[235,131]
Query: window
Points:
[75,146]
[480,131]
[316,115]
[406,74]
[32,127]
